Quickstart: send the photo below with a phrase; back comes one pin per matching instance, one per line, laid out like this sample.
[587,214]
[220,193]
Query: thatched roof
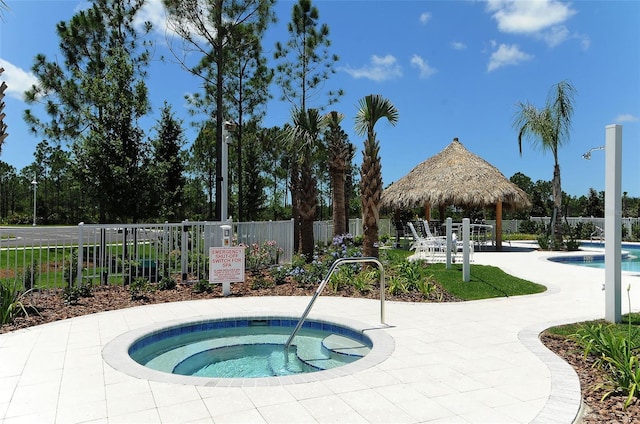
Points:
[454,176]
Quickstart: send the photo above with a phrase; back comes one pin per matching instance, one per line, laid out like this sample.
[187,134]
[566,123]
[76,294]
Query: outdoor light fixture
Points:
[587,155]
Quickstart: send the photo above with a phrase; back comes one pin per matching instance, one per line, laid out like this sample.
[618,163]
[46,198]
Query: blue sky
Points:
[452,68]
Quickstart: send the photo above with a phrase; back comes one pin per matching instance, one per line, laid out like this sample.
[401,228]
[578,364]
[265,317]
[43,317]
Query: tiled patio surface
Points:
[471,362]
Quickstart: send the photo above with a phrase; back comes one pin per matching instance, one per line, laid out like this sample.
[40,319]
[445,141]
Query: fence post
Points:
[184,241]
[80,253]
[466,267]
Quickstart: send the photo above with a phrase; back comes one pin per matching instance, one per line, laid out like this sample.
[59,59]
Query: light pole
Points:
[35,185]
[227,128]
[587,155]
[612,221]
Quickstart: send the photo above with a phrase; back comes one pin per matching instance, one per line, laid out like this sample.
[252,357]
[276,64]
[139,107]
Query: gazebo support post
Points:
[427,212]
[499,225]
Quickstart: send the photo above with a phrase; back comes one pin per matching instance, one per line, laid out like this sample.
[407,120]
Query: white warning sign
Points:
[226,264]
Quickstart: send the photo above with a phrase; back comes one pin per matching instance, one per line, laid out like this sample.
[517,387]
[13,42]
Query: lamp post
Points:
[587,155]
[227,128]
[612,221]
[35,185]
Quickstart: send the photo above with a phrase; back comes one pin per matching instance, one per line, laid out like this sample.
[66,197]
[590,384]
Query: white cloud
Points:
[153,11]
[18,80]
[380,69]
[542,19]
[507,55]
[626,117]
[457,45]
[425,70]
[555,35]
[527,17]
[425,17]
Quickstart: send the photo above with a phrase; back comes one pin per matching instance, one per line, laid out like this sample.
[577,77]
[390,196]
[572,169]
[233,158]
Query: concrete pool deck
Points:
[467,362]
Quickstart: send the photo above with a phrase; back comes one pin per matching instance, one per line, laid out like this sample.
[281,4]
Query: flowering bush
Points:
[259,257]
[343,246]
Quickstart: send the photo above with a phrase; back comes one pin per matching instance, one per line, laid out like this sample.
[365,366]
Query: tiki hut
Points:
[457,177]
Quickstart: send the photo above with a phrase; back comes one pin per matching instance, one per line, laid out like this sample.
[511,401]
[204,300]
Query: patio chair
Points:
[426,242]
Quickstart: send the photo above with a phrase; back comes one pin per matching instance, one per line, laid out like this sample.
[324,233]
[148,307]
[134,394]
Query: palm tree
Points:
[303,138]
[548,128]
[371,109]
[339,161]
[3,7]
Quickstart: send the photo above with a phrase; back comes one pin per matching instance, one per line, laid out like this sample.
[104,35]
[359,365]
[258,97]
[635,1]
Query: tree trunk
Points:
[295,206]
[308,204]
[337,190]
[557,207]
[370,192]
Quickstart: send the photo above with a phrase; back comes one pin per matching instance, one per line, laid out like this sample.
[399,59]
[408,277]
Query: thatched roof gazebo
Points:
[458,177]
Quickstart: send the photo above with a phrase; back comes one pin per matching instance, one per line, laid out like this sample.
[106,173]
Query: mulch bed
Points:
[51,307]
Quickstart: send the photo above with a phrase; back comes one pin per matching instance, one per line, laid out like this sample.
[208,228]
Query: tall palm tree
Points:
[372,108]
[339,161]
[303,137]
[548,128]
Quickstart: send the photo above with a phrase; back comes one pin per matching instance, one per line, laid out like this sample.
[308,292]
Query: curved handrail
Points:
[324,282]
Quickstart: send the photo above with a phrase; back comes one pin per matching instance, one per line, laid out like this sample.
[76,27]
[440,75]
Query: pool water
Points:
[630,257]
[244,361]
[249,348]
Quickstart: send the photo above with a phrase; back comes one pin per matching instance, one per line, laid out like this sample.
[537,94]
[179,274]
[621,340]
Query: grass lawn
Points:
[622,328]
[485,282]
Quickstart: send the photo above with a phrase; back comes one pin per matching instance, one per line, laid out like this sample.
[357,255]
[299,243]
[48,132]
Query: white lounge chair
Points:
[433,249]
[429,242]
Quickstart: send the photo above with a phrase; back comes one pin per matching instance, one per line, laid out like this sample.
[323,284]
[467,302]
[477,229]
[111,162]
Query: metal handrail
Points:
[324,282]
[599,231]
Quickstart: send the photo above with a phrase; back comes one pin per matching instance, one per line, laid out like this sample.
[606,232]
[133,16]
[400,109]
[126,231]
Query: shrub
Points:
[635,231]
[258,257]
[426,287]
[279,274]
[259,281]
[341,278]
[364,281]
[71,294]
[397,284]
[544,242]
[202,286]
[413,272]
[615,353]
[167,283]
[139,288]
[571,243]
[11,295]
[528,227]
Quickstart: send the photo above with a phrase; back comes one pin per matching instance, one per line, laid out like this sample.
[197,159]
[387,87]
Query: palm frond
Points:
[371,109]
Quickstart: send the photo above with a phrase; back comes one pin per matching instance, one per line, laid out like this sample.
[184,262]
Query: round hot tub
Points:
[248,347]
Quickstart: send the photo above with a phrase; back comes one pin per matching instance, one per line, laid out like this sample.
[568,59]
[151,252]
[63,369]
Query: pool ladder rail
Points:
[324,282]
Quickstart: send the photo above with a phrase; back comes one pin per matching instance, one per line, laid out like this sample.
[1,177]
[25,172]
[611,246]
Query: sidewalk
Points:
[467,362]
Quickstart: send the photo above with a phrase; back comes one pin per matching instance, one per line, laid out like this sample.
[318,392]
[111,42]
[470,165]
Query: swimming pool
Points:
[595,258]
